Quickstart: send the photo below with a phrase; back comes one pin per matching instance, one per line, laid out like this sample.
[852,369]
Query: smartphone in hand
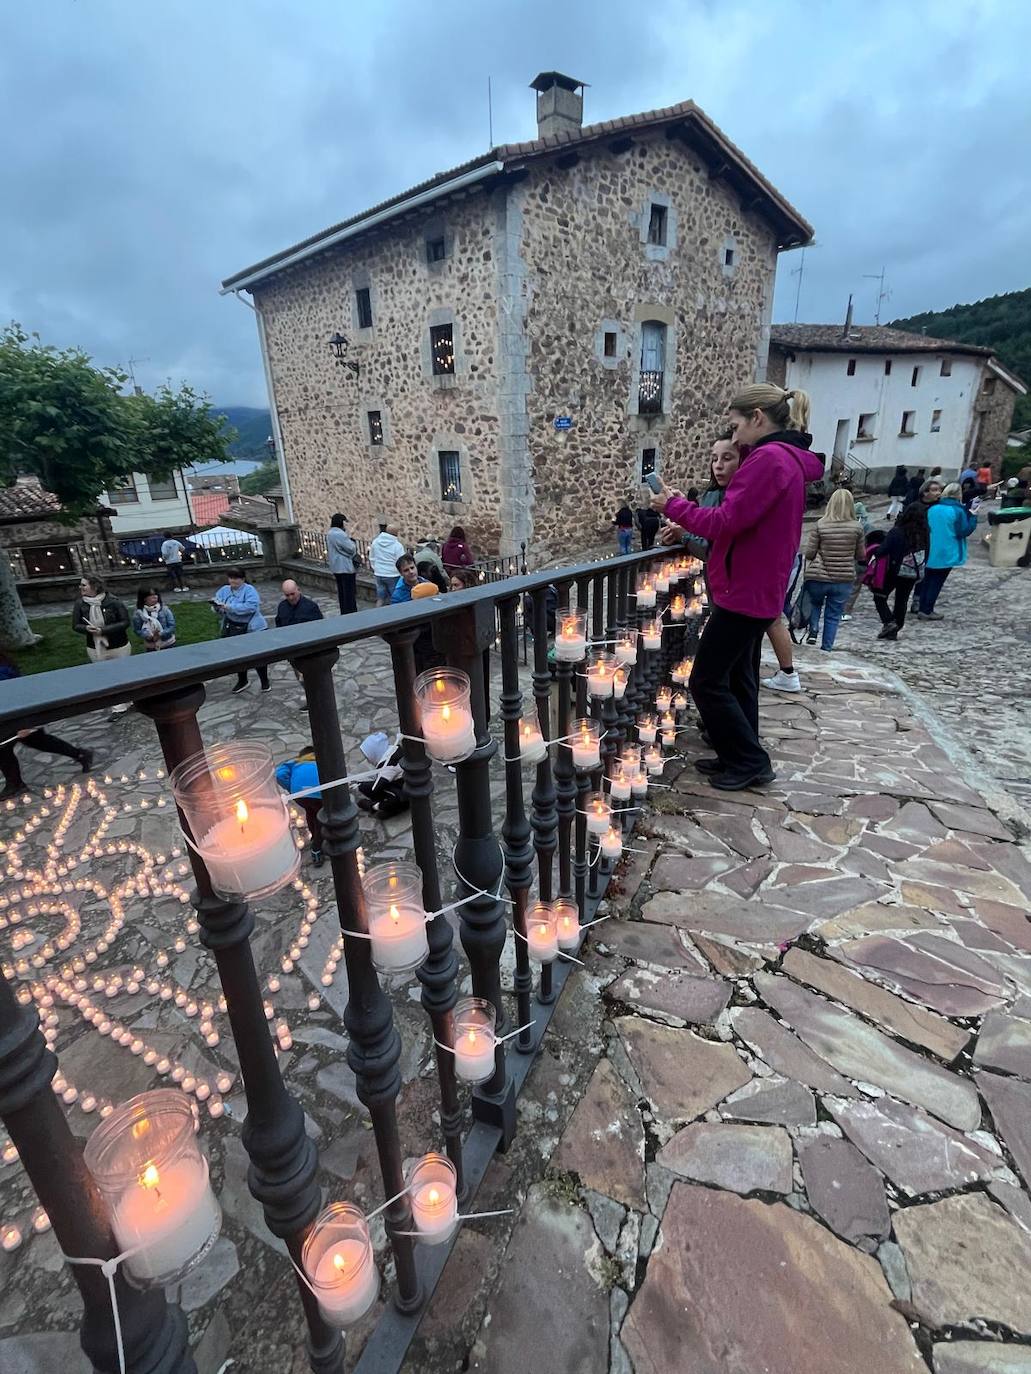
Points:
[654,481]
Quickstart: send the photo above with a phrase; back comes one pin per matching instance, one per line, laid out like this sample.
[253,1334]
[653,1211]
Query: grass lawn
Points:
[61,647]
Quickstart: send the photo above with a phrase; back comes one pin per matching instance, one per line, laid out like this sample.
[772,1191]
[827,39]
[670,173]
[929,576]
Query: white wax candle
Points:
[347,1281]
[542,941]
[654,762]
[532,748]
[679,673]
[645,598]
[399,940]
[568,930]
[250,850]
[679,701]
[599,681]
[663,700]
[570,642]
[474,1055]
[435,1211]
[651,636]
[646,733]
[598,813]
[662,582]
[619,683]
[586,750]
[626,650]
[449,733]
[170,1214]
[677,608]
[612,844]
[669,737]
[619,789]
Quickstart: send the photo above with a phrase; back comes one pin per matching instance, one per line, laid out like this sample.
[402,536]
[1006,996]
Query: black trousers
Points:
[39,739]
[346,593]
[904,588]
[311,806]
[725,686]
[175,574]
[262,675]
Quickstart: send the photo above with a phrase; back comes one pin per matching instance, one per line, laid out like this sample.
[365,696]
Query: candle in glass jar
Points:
[696,605]
[598,813]
[396,917]
[586,744]
[662,580]
[639,783]
[682,670]
[571,640]
[474,1039]
[653,761]
[599,676]
[645,595]
[532,748]
[612,843]
[542,934]
[249,850]
[679,701]
[663,698]
[646,729]
[442,695]
[651,634]
[619,786]
[434,1198]
[626,649]
[619,683]
[567,921]
[340,1264]
[677,607]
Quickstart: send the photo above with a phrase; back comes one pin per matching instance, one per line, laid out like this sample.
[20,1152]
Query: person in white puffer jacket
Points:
[384,551]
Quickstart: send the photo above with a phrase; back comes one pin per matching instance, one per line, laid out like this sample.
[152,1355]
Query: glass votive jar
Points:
[619,782]
[611,843]
[567,923]
[396,917]
[646,728]
[339,1262]
[626,648]
[663,700]
[237,817]
[651,634]
[433,1194]
[682,671]
[619,683]
[654,761]
[475,1037]
[662,579]
[645,594]
[639,783]
[677,607]
[542,933]
[532,745]
[571,637]
[586,743]
[600,673]
[630,757]
[598,811]
[446,718]
[146,1161]
[679,701]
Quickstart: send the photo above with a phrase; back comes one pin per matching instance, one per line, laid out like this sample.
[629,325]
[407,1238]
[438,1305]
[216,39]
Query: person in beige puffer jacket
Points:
[835,550]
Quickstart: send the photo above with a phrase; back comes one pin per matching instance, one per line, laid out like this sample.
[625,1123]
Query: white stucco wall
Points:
[147,516]
[838,397]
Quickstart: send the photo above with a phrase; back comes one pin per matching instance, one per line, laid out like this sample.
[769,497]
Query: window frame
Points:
[120,496]
[431,243]
[154,489]
[887,367]
[914,379]
[645,469]
[363,306]
[946,368]
[936,421]
[607,335]
[658,225]
[988,386]
[905,433]
[654,334]
[447,456]
[375,427]
[437,335]
[850,370]
[864,435]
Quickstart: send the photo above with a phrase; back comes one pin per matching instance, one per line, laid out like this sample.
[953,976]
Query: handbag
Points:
[230,628]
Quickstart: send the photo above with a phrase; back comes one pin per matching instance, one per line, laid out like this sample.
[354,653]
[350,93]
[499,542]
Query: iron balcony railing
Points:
[125,555]
[550,849]
[649,395]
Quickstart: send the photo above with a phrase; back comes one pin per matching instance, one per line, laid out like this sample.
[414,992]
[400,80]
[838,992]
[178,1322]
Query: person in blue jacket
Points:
[238,607]
[294,776]
[949,526]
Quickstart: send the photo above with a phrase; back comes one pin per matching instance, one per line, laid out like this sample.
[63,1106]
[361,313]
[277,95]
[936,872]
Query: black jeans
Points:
[725,686]
[904,588]
[346,593]
[39,739]
[175,574]
[262,672]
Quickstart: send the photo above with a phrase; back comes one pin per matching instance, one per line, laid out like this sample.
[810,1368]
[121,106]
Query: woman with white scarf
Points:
[152,621]
[104,620]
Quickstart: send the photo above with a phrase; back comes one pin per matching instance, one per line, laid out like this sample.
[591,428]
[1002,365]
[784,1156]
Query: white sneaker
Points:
[783,682]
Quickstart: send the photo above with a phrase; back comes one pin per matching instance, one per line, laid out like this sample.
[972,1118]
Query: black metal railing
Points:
[551,847]
[649,394]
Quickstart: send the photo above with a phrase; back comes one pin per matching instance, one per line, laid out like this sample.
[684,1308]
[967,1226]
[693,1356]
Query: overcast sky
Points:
[148,150]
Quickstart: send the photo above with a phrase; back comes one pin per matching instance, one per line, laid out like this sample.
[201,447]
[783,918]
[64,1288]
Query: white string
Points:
[466,1216]
[109,1268]
[498,1040]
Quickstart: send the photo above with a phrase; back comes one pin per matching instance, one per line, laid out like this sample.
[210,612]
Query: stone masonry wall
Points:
[996,411]
[591,271]
[323,408]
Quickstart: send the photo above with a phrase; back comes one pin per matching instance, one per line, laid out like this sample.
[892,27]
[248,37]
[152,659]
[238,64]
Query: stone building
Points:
[883,396]
[512,344]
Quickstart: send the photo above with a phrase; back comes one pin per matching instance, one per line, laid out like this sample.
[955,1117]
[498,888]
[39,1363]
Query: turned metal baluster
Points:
[515,831]
[585,780]
[565,784]
[478,859]
[284,1162]
[154,1335]
[544,813]
[374,1051]
[624,703]
[439,972]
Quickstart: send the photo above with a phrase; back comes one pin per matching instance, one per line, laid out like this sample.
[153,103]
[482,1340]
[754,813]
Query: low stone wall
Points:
[44,591]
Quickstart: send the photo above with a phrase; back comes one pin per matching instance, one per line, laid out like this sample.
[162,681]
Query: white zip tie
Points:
[498,1039]
[109,1268]
[467,1216]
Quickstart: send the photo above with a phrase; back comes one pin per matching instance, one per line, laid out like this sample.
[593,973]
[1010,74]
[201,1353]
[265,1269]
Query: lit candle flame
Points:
[394,914]
[226,774]
[241,811]
[339,1263]
[542,931]
[440,685]
[433,1197]
[150,1178]
[446,713]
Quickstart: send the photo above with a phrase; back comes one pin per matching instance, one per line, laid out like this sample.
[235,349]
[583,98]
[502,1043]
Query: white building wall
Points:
[838,397]
[147,515]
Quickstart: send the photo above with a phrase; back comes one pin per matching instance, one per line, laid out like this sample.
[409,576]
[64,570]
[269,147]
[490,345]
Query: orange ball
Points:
[423,589]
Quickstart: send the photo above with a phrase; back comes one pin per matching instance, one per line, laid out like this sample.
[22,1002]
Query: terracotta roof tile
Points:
[27,502]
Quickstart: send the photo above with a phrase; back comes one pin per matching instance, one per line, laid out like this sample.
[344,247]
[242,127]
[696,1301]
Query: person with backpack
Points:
[754,534]
[896,568]
[949,528]
[834,550]
[897,491]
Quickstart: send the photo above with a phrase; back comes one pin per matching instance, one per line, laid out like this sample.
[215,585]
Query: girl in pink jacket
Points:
[754,535]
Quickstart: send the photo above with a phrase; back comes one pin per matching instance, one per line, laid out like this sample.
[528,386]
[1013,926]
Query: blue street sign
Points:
[563,422]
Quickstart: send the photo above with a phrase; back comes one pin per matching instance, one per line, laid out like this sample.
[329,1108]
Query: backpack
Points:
[876,574]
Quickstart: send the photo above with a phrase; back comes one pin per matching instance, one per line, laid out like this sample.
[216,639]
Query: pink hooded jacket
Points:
[755,532]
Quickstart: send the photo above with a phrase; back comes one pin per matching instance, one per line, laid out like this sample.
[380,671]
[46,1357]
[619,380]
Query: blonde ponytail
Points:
[787,409]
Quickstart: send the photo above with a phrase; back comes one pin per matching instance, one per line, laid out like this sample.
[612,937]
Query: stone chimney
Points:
[847,330]
[560,104]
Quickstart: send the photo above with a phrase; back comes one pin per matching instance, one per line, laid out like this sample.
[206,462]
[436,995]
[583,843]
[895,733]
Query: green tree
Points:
[68,423]
[261,480]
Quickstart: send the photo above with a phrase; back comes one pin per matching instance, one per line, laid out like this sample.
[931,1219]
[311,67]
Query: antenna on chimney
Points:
[882,295]
[848,319]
